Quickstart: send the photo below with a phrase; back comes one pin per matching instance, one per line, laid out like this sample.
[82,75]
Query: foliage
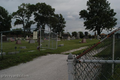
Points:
[89,36]
[5,20]
[42,14]
[59,25]
[86,34]
[17,31]
[81,34]
[98,16]
[74,34]
[23,16]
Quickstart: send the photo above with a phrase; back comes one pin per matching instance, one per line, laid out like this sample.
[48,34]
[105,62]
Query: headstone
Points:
[16,39]
[18,42]
[83,40]
[17,52]
[20,38]
[12,40]
[31,41]
[4,38]
[58,39]
[68,38]
[90,38]
[23,47]
[31,51]
[60,45]
[27,38]
[3,53]
[35,35]
[38,47]
[11,52]
[73,37]
[98,37]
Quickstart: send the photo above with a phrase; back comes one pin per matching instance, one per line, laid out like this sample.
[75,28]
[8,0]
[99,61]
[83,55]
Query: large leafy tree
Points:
[59,25]
[5,20]
[98,16]
[81,34]
[42,14]
[23,16]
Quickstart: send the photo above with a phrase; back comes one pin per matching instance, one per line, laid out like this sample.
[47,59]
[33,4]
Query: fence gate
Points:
[48,39]
[101,61]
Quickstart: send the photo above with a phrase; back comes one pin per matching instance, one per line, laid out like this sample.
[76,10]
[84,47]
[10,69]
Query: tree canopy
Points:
[5,19]
[42,14]
[98,16]
[74,34]
[23,16]
[59,24]
[81,34]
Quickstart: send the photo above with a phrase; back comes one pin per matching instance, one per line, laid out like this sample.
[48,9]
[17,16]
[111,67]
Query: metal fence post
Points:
[1,46]
[113,53]
[70,67]
[49,39]
[57,40]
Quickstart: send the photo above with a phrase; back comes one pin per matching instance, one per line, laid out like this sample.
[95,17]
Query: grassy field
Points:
[25,55]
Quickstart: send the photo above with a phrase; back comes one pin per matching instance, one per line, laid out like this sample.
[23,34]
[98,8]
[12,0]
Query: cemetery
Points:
[35,30]
[14,52]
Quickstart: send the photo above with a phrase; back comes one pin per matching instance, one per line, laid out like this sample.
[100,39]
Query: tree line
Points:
[28,14]
[97,17]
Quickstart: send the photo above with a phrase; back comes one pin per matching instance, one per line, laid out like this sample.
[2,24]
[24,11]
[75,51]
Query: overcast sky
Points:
[68,8]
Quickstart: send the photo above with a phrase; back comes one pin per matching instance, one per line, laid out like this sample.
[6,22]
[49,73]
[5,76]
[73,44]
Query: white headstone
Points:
[68,38]
[73,37]
[26,37]
[35,35]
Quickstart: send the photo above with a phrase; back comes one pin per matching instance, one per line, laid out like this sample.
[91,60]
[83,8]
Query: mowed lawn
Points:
[31,51]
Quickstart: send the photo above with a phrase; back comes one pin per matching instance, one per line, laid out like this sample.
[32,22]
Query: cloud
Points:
[68,8]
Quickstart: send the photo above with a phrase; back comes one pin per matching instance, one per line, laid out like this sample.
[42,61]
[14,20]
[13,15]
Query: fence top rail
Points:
[97,43]
[100,61]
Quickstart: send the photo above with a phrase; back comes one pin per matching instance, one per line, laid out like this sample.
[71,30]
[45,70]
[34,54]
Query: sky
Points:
[68,8]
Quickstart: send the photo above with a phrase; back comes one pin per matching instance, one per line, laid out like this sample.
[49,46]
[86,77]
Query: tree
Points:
[52,23]
[74,34]
[86,34]
[81,34]
[23,16]
[59,25]
[89,36]
[17,31]
[5,19]
[98,16]
[42,14]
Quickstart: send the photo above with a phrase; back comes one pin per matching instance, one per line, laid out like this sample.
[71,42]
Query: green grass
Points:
[25,56]
[107,54]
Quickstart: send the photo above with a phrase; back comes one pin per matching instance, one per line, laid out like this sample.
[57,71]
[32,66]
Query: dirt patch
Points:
[70,51]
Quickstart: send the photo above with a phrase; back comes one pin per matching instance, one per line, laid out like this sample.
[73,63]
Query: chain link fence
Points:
[28,40]
[48,39]
[100,61]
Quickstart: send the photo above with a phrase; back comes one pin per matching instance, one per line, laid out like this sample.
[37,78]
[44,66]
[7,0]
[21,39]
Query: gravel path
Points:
[50,67]
[74,50]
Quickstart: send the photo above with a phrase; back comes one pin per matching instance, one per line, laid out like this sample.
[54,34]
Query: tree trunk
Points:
[98,31]
[24,30]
